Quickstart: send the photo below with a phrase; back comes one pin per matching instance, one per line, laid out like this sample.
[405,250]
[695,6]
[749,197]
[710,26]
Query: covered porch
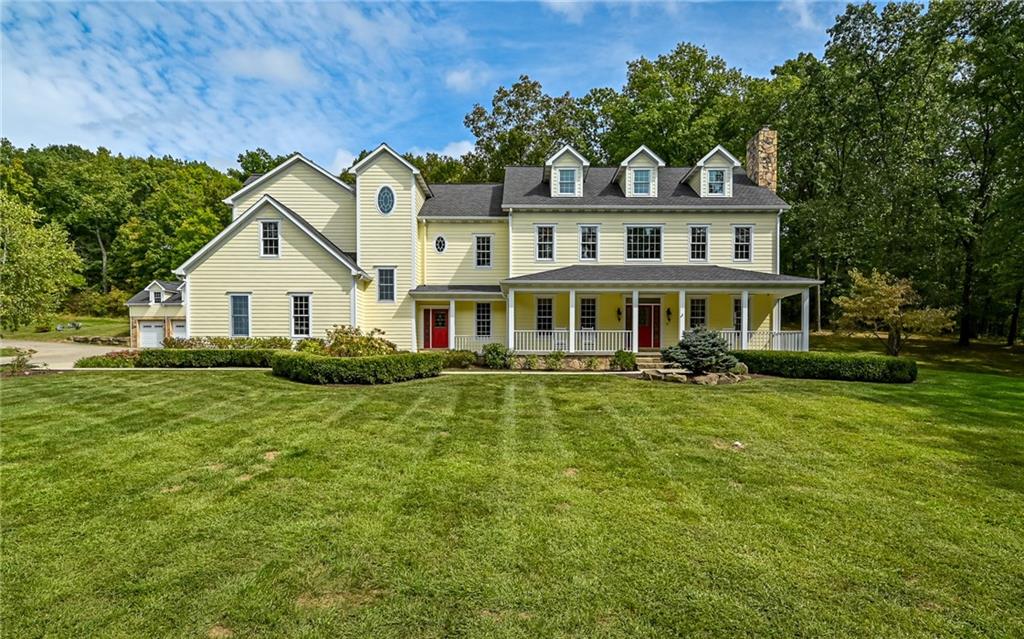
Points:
[459,317]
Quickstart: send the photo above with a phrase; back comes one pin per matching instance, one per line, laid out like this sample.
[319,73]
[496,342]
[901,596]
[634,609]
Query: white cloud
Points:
[343,159]
[278,66]
[802,14]
[454,149]
[467,79]
[572,10]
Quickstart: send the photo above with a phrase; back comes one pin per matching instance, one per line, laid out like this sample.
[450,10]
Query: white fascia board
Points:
[568,148]
[280,168]
[643,149]
[361,165]
[718,149]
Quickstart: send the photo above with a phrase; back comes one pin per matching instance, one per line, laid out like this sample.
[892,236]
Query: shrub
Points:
[380,369]
[115,359]
[531,362]
[311,345]
[592,363]
[624,361]
[350,341]
[228,343]
[839,366]
[554,360]
[458,359]
[701,351]
[205,358]
[497,356]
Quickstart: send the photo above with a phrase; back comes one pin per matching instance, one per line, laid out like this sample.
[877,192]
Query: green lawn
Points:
[91,327]
[194,504]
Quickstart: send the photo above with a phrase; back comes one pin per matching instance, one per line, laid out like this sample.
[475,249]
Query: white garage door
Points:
[178,329]
[151,334]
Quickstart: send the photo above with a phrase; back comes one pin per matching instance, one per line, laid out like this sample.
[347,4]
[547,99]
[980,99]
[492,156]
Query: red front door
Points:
[649,324]
[436,324]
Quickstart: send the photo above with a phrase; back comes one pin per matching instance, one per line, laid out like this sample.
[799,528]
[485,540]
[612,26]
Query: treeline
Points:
[899,149]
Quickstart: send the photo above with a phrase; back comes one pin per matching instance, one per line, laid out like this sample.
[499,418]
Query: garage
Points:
[151,334]
[178,329]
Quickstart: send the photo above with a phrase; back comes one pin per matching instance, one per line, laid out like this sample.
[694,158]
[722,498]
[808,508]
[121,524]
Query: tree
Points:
[37,265]
[885,305]
[256,162]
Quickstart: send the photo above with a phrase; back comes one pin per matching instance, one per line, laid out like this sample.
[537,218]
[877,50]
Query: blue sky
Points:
[204,81]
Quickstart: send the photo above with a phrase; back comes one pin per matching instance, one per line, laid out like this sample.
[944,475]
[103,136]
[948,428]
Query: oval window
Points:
[440,244]
[385,199]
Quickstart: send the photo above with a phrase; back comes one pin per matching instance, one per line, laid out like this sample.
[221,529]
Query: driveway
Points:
[57,355]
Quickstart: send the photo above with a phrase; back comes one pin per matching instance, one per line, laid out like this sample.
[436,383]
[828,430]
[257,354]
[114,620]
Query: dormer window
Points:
[567,181]
[712,175]
[637,175]
[641,181]
[716,181]
[157,296]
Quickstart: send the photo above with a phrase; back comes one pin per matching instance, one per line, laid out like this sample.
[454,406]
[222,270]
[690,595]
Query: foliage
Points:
[624,361]
[458,359]
[37,265]
[205,358]
[95,303]
[530,362]
[592,363]
[228,343]
[350,341]
[380,369]
[837,366]
[883,304]
[255,162]
[554,360]
[497,356]
[19,363]
[114,359]
[701,351]
[311,345]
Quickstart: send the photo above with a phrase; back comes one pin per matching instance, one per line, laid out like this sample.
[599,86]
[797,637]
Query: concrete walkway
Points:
[56,355]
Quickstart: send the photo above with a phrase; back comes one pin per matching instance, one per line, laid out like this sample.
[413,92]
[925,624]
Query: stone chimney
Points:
[763,158]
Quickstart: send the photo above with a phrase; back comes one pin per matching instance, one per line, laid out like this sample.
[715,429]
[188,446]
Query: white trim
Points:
[689,243]
[490,257]
[643,149]
[554,242]
[413,250]
[394,283]
[727,178]
[718,149]
[261,222]
[440,236]
[451,324]
[291,313]
[510,318]
[652,183]
[187,300]
[689,310]
[579,240]
[394,199]
[353,304]
[231,313]
[358,234]
[625,242]
[750,227]
[358,166]
[778,232]
[153,299]
[298,157]
[579,156]
[239,221]
[556,187]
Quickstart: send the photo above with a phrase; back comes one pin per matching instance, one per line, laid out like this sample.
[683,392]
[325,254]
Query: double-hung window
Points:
[643,242]
[716,181]
[588,313]
[567,181]
[545,318]
[698,312]
[742,241]
[545,242]
[158,297]
[270,238]
[588,241]
[301,316]
[483,251]
[641,181]
[737,314]
[385,285]
[698,243]
[483,319]
[239,305]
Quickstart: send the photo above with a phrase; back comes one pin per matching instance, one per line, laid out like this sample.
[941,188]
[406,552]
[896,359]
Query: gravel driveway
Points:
[57,355]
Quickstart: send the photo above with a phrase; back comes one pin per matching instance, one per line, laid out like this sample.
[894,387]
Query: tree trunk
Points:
[103,262]
[1011,337]
[894,342]
[967,293]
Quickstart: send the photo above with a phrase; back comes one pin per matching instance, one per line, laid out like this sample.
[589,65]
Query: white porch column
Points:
[510,314]
[451,324]
[805,320]
[682,313]
[572,320]
[744,319]
[777,315]
[636,321]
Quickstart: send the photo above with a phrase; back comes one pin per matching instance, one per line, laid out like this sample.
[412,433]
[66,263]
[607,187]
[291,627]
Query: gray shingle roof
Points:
[252,178]
[464,200]
[524,187]
[465,289]
[142,298]
[639,273]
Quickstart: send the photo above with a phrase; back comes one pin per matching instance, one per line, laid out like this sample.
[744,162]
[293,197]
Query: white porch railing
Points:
[542,341]
[474,343]
[594,341]
[765,340]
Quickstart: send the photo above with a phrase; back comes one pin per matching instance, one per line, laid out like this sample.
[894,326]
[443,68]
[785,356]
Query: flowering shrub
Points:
[350,341]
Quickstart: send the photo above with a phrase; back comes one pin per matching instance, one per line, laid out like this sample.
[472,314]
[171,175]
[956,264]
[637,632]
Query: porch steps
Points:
[650,361]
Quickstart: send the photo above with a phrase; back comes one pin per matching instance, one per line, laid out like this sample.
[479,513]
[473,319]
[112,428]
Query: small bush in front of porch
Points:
[701,351]
[553,361]
[839,366]
[530,363]
[458,359]
[351,341]
[497,356]
[624,361]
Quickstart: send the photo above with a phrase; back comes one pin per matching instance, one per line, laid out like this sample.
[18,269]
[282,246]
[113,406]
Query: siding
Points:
[675,238]
[321,202]
[303,267]
[457,265]
[566,161]
[156,311]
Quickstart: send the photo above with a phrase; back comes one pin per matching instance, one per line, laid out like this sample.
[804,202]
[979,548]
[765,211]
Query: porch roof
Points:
[658,274]
[455,290]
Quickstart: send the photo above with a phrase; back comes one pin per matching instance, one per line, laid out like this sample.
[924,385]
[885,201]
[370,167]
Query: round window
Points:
[440,244]
[385,199]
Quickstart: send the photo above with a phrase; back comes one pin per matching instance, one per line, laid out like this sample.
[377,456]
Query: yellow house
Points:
[560,257]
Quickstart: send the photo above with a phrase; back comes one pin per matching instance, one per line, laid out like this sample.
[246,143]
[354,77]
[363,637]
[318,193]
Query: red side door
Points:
[646,332]
[439,329]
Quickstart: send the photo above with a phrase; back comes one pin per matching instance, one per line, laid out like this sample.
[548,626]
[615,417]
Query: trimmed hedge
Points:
[838,366]
[115,359]
[458,359]
[204,358]
[378,369]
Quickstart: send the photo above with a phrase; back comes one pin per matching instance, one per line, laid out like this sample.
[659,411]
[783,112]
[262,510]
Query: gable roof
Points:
[348,259]
[464,201]
[524,187]
[251,183]
[643,149]
[384,148]
[166,285]
[567,149]
[700,163]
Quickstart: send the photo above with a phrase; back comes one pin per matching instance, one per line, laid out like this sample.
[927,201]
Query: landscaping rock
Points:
[707,379]
[726,379]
